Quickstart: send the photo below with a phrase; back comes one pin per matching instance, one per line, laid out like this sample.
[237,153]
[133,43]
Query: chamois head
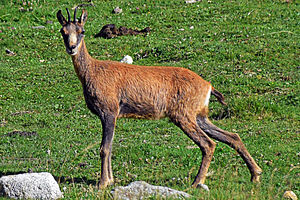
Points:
[72,31]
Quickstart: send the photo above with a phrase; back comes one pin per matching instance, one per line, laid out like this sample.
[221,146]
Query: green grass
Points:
[249,50]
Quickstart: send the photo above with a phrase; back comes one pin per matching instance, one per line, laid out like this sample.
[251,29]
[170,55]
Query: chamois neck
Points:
[81,61]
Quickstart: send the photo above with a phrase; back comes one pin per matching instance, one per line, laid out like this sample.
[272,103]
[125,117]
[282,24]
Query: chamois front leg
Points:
[108,126]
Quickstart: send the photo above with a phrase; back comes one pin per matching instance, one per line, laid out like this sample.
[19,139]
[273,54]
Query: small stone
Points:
[117,10]
[9,52]
[290,195]
[38,27]
[192,147]
[192,1]
[203,186]
[22,9]
[127,59]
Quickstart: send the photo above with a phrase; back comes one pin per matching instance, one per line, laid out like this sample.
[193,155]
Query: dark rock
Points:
[21,133]
[110,31]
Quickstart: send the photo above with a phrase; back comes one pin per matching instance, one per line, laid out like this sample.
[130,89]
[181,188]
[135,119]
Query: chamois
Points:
[113,90]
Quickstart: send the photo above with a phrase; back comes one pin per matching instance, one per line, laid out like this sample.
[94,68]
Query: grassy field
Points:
[249,50]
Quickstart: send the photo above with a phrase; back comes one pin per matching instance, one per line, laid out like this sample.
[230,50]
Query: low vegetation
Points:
[248,50]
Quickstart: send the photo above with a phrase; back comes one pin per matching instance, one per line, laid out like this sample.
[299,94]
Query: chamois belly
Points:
[140,110]
[143,105]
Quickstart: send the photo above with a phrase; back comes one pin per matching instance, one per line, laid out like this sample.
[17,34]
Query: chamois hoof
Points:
[103,185]
[203,186]
[255,178]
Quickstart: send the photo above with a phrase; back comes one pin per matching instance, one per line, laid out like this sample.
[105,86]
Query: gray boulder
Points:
[141,190]
[30,186]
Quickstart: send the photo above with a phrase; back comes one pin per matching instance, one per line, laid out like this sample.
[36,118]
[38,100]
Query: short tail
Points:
[219,95]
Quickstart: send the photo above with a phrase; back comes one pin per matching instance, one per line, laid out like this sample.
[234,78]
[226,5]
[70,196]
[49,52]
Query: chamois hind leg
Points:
[108,126]
[234,141]
[206,145]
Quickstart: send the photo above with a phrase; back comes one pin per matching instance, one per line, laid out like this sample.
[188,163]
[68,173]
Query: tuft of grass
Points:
[248,50]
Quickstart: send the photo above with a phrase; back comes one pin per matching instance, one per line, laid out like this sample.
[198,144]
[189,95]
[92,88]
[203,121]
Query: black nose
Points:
[72,46]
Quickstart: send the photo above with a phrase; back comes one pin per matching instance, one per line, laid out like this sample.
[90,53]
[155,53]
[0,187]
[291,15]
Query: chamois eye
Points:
[82,32]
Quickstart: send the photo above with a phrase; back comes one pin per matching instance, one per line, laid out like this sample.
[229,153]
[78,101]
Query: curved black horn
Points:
[69,18]
[75,14]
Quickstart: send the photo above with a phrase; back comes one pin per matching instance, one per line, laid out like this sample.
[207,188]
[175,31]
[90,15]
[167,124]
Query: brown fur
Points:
[113,89]
[150,92]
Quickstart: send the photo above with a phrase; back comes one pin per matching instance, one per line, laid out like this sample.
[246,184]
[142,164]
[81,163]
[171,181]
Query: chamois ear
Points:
[61,18]
[83,18]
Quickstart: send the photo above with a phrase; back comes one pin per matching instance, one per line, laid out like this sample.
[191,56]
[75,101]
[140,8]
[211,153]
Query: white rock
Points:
[192,1]
[203,186]
[127,59]
[290,195]
[117,10]
[142,190]
[38,27]
[30,186]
